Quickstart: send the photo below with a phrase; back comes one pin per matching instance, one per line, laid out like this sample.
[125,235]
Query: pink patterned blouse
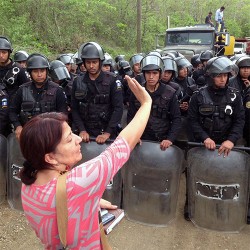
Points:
[85,186]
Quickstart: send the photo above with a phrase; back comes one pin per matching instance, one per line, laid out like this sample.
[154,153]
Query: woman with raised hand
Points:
[50,148]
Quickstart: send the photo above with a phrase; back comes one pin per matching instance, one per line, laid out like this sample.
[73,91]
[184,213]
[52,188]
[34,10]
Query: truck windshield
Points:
[189,38]
[238,45]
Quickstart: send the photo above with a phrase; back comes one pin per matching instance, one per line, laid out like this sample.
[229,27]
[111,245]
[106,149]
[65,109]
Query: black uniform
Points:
[246,103]
[11,77]
[31,101]
[217,114]
[5,128]
[175,86]
[237,82]
[199,78]
[184,85]
[165,118]
[97,105]
[126,90]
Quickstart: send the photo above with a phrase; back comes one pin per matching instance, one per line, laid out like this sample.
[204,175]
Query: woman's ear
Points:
[49,158]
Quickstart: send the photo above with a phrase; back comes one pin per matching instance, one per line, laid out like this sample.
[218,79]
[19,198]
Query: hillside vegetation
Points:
[52,27]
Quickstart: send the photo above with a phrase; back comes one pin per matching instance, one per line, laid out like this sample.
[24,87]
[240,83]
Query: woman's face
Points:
[68,151]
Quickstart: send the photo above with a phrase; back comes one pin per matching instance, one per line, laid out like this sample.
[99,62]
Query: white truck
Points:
[239,48]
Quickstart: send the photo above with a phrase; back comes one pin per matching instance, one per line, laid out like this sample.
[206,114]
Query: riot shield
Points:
[15,163]
[218,189]
[3,167]
[113,190]
[182,138]
[151,183]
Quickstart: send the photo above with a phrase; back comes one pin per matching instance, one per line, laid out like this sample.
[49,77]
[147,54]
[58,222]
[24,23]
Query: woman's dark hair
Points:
[39,136]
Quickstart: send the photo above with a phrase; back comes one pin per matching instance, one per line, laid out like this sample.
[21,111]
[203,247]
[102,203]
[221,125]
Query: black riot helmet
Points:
[152,62]
[182,62]
[195,60]
[219,65]
[206,55]
[65,58]
[170,64]
[37,61]
[235,57]
[243,61]
[119,58]
[172,53]
[58,71]
[154,53]
[5,44]
[107,59]
[20,56]
[107,62]
[78,61]
[91,50]
[124,68]
[135,59]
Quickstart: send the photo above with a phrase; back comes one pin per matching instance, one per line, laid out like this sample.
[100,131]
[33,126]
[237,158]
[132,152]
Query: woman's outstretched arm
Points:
[133,131]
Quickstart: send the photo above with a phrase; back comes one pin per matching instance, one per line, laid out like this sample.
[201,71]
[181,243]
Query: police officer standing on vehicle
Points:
[97,103]
[165,118]
[38,96]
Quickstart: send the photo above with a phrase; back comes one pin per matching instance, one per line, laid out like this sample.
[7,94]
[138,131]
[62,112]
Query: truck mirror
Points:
[227,39]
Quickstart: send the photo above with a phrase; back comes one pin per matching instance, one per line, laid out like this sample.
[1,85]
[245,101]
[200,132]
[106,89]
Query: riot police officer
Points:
[169,73]
[21,57]
[134,62]
[108,63]
[165,118]
[242,82]
[68,61]
[97,103]
[11,74]
[38,96]
[199,75]
[185,82]
[60,75]
[196,62]
[216,112]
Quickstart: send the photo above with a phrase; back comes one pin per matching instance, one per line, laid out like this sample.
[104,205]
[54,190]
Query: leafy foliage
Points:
[52,27]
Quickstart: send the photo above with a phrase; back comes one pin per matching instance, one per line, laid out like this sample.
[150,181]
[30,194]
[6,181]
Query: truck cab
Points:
[239,48]
[192,40]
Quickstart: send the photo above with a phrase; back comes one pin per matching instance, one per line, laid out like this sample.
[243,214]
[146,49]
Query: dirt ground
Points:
[15,233]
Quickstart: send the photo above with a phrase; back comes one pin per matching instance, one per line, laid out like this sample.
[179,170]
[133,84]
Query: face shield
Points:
[152,62]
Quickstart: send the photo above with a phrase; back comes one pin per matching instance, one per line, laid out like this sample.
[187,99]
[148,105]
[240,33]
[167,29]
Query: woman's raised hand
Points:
[140,93]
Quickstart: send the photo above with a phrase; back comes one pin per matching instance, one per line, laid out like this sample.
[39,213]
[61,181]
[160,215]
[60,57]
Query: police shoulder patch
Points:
[248,105]
[118,84]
